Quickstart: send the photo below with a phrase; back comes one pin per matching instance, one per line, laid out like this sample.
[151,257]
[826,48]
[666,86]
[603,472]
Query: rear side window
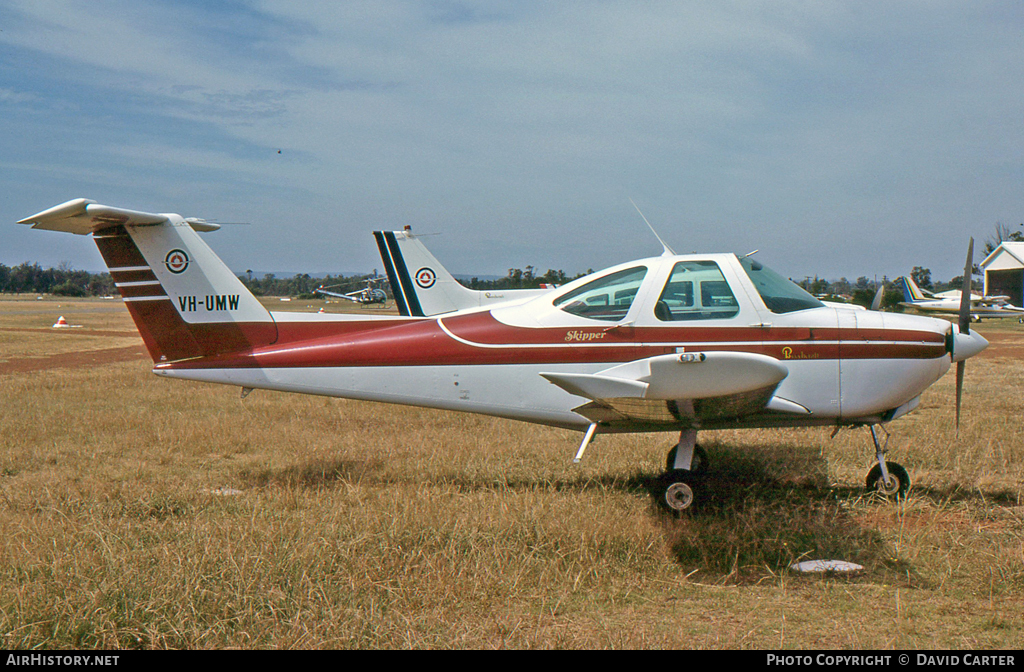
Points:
[607,298]
[696,290]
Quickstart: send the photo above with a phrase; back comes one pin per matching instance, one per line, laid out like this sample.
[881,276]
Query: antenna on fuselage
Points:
[668,251]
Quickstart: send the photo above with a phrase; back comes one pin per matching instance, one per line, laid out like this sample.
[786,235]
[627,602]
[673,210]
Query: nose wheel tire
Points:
[899,481]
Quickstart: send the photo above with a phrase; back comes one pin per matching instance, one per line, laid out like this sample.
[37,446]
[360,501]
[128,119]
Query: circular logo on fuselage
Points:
[176,261]
[425,277]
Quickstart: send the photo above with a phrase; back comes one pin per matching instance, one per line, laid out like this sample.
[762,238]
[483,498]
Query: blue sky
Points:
[840,139]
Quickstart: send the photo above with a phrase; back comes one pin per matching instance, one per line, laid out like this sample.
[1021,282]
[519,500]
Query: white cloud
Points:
[12,97]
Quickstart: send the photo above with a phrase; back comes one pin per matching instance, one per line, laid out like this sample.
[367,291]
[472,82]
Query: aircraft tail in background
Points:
[423,287]
[911,292]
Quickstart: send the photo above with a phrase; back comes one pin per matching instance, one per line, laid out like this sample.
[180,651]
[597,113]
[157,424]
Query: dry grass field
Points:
[142,512]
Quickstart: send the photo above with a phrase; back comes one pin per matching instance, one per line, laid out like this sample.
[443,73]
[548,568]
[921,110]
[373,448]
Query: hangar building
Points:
[1004,272]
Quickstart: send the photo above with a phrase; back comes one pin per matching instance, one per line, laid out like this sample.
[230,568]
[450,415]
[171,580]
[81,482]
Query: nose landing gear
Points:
[888,479]
[686,462]
[897,485]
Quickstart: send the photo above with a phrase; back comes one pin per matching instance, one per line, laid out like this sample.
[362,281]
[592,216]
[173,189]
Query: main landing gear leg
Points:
[886,478]
[684,465]
[587,438]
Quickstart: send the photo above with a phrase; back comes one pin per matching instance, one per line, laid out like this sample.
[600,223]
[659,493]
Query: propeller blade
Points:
[959,388]
[965,292]
[877,302]
[965,324]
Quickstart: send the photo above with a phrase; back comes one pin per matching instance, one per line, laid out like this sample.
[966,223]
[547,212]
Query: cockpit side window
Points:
[607,298]
[778,293]
[696,290]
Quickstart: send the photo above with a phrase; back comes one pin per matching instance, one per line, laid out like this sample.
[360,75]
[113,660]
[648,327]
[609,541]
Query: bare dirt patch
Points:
[73,360]
[1005,345]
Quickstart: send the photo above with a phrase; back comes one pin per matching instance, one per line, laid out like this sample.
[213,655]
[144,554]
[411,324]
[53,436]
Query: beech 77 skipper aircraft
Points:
[674,343]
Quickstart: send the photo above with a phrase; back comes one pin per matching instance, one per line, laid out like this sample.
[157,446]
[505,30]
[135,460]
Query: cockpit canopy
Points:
[691,289]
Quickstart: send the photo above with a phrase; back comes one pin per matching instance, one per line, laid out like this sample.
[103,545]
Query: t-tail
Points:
[185,301]
[423,287]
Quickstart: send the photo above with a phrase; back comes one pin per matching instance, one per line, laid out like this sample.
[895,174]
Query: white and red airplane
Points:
[672,343]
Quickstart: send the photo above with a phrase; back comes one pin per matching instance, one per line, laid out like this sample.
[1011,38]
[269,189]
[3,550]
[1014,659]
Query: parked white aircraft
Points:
[423,287]
[673,343]
[948,303]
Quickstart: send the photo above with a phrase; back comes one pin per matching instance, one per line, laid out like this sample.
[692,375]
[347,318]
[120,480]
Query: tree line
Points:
[523,278]
[65,281]
[62,281]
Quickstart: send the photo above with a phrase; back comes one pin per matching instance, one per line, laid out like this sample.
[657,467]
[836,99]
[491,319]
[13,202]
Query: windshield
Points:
[779,294]
[607,298]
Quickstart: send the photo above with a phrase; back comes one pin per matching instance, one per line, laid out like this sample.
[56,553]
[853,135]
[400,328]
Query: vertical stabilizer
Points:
[184,300]
[911,292]
[423,287]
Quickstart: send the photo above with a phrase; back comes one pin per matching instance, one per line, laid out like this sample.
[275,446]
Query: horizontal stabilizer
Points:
[82,216]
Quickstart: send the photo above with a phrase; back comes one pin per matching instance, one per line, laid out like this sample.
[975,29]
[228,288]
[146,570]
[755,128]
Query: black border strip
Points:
[389,270]
[403,274]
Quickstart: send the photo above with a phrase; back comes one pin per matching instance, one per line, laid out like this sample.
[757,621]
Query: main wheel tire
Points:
[899,481]
[698,464]
[675,492]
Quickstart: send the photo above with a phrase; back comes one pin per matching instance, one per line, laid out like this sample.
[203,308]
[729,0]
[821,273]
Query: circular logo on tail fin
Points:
[176,261]
[425,277]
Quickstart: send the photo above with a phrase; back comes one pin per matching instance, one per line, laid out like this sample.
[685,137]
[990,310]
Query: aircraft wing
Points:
[991,300]
[685,389]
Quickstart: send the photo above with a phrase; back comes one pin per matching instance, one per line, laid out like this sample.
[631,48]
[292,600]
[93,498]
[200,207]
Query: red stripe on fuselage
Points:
[479,339]
[294,332]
